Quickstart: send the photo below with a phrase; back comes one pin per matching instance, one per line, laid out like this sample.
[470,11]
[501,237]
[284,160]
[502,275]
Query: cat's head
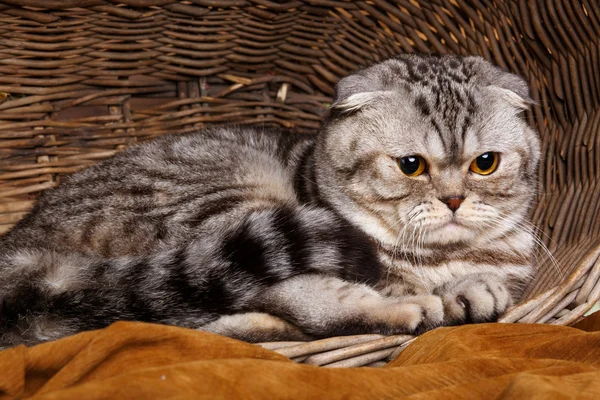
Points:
[434,146]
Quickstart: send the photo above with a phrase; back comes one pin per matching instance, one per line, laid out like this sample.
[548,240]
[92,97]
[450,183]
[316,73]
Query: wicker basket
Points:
[82,79]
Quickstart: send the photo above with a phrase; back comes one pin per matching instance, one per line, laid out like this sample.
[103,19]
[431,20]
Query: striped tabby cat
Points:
[404,213]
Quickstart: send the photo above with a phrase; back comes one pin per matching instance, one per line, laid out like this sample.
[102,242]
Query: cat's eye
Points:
[486,163]
[412,165]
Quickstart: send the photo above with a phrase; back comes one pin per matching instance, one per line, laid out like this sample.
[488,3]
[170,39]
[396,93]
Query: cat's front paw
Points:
[475,298]
[415,314]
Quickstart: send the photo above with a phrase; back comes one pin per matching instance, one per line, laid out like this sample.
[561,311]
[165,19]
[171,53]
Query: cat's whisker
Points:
[408,249]
[308,180]
[395,247]
[533,227]
[530,228]
[541,245]
[399,241]
[417,260]
[420,245]
[520,225]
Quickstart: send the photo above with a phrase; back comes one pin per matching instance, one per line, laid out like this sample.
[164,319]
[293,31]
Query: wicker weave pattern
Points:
[82,79]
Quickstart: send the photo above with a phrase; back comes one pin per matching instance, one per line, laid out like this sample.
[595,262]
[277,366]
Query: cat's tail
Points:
[45,295]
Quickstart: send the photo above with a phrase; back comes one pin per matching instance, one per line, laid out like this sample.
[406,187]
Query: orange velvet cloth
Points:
[145,361]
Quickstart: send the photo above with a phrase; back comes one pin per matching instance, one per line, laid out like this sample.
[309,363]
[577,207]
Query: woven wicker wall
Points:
[82,79]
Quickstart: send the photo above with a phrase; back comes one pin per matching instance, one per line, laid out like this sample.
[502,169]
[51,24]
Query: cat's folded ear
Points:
[356,91]
[511,87]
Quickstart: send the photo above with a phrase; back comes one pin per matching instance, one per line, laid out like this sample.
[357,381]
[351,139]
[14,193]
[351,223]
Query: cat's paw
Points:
[475,298]
[415,314]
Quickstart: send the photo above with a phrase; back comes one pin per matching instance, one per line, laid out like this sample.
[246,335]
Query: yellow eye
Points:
[486,163]
[412,165]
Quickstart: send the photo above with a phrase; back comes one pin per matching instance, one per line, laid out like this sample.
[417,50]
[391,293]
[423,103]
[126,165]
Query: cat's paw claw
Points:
[463,303]
[476,299]
[427,312]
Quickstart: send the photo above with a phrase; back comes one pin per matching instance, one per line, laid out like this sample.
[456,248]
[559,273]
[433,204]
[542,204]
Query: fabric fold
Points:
[138,360]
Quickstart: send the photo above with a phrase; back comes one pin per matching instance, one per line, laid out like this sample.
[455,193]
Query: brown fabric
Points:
[135,360]
[590,323]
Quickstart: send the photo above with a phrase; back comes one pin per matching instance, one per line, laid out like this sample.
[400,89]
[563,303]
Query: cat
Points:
[404,213]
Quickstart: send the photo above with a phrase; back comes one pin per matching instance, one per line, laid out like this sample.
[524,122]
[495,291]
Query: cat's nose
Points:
[453,203]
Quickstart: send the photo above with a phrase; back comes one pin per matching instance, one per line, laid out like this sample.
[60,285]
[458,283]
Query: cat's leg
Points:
[475,298]
[309,267]
[255,327]
[327,306]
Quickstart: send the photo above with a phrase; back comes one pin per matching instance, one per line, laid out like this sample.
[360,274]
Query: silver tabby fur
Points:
[260,234]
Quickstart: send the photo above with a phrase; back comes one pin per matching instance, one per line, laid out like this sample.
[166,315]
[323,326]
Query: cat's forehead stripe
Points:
[451,132]
[442,95]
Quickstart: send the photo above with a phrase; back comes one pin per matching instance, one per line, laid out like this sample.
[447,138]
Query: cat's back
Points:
[158,193]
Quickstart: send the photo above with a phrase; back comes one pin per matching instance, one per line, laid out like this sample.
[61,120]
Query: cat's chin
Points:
[450,233]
